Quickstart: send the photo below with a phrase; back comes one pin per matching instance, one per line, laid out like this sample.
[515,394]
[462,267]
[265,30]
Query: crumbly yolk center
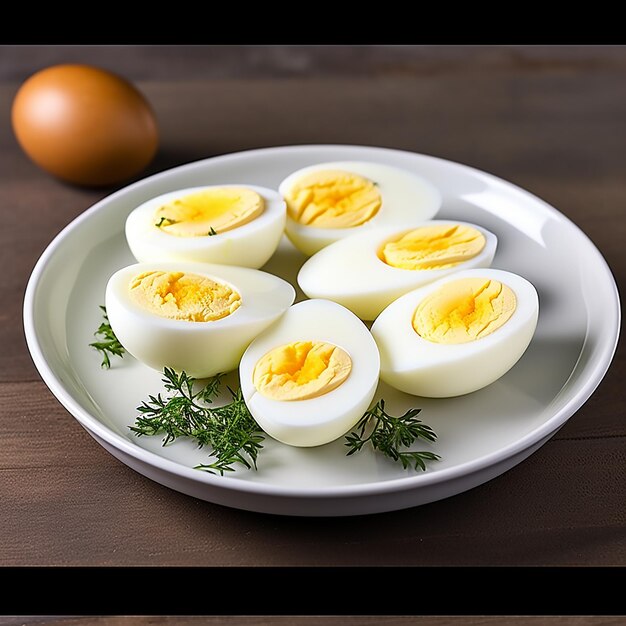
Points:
[301,370]
[333,199]
[209,212]
[181,296]
[464,310]
[433,247]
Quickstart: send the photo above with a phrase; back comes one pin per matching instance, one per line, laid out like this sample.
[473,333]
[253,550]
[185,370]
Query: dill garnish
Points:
[230,430]
[388,434]
[235,437]
[110,342]
[165,219]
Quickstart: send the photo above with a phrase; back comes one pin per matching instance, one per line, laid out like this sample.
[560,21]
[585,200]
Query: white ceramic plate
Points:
[481,435]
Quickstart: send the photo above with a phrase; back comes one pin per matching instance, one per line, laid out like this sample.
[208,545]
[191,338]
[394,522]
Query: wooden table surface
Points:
[404,620]
[551,120]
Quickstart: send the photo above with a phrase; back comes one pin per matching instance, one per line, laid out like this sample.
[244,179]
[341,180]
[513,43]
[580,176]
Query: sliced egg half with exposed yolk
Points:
[194,317]
[311,376]
[458,334]
[226,224]
[368,271]
[329,201]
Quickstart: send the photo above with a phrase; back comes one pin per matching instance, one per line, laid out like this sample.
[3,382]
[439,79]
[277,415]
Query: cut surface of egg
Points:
[458,334]
[311,376]
[225,224]
[195,317]
[368,271]
[329,201]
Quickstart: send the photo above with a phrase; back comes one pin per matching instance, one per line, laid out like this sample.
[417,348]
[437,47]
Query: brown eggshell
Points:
[84,125]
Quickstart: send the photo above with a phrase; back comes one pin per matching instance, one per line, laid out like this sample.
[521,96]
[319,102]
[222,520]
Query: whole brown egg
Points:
[85,125]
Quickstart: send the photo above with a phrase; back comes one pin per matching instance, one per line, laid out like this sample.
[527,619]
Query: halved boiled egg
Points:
[329,201]
[368,271]
[458,334]
[226,224]
[195,317]
[311,376]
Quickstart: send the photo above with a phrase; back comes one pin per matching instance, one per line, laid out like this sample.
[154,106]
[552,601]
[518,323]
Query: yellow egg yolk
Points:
[333,199]
[433,247]
[301,370]
[180,296]
[209,212]
[464,310]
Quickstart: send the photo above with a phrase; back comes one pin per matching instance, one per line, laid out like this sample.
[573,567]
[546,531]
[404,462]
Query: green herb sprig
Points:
[165,219]
[232,432]
[109,343]
[389,434]
[229,430]
[236,438]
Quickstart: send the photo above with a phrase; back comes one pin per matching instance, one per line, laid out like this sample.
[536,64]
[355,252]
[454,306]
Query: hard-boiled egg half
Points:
[458,334]
[194,317]
[310,376]
[226,224]
[368,271]
[329,201]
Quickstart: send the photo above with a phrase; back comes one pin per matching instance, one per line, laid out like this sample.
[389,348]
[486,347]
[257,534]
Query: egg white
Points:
[249,245]
[201,349]
[406,198]
[351,273]
[424,368]
[315,421]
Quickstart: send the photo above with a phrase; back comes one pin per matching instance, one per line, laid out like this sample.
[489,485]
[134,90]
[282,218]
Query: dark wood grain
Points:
[298,620]
[181,62]
[552,122]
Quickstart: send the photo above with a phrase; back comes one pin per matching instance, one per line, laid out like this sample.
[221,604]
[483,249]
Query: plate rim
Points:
[405,483]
